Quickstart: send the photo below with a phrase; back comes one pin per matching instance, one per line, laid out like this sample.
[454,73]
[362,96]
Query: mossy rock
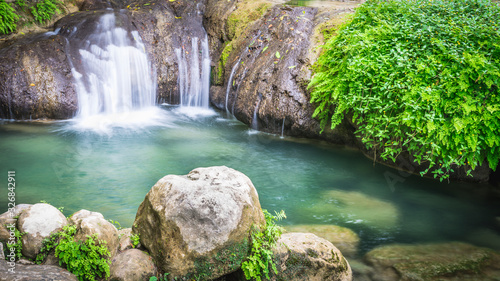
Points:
[444,261]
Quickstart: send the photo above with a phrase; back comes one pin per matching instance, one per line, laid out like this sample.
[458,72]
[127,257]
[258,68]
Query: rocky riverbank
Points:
[198,226]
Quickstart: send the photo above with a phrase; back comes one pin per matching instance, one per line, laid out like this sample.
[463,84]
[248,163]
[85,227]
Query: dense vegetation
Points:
[419,77]
[10,13]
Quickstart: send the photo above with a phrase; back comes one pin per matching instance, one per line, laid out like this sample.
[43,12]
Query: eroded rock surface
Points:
[132,265]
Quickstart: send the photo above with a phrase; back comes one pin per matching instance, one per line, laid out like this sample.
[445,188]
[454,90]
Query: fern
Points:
[8,18]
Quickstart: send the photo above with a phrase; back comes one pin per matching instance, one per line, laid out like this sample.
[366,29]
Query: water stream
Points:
[314,182]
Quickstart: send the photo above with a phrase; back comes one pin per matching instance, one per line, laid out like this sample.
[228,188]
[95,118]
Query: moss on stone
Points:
[225,261]
[247,12]
[228,48]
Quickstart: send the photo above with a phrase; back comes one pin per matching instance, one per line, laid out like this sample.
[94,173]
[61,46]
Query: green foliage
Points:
[419,77]
[159,278]
[135,238]
[8,18]
[116,223]
[261,254]
[44,11]
[48,244]
[21,3]
[19,243]
[86,259]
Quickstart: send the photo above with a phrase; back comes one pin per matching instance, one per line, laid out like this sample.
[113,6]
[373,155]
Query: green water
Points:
[314,182]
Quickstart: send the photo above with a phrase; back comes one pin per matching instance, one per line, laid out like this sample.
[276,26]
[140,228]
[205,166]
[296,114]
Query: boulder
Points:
[37,223]
[89,223]
[305,256]
[199,224]
[444,261]
[343,238]
[132,265]
[34,272]
[10,218]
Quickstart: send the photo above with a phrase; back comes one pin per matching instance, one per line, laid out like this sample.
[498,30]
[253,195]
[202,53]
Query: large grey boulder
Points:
[132,265]
[199,224]
[89,223]
[37,223]
[305,256]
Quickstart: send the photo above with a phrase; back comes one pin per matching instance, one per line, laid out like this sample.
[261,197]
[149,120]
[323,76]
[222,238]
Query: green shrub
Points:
[135,238]
[419,77]
[261,254]
[44,11]
[8,18]
[86,259]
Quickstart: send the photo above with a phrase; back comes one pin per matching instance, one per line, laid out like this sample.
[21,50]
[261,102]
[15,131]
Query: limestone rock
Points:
[88,223]
[444,261]
[132,265]
[305,256]
[38,222]
[8,218]
[35,272]
[199,223]
[343,238]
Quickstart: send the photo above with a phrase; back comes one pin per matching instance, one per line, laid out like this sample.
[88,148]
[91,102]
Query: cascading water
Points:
[114,79]
[194,77]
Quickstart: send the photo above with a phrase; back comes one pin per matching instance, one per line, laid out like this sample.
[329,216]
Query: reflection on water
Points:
[314,182]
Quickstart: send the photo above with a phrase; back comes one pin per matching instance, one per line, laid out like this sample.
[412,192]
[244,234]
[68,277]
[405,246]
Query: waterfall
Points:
[229,83]
[194,77]
[113,76]
[117,74]
[255,124]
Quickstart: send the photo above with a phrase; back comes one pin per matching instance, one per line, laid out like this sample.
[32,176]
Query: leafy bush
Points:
[419,77]
[261,254]
[135,238]
[8,18]
[44,11]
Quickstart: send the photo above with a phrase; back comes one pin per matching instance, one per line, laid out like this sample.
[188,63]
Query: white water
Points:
[229,82]
[194,77]
[282,127]
[255,124]
[116,84]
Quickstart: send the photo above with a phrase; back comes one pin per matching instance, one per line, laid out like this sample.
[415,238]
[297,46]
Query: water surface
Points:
[314,182]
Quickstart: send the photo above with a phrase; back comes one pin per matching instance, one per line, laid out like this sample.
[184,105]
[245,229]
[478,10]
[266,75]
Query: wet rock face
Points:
[305,256]
[35,79]
[199,224]
[266,76]
[165,26]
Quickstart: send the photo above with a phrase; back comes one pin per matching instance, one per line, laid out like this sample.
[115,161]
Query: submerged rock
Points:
[37,223]
[132,265]
[305,256]
[343,238]
[445,261]
[358,208]
[89,223]
[199,224]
